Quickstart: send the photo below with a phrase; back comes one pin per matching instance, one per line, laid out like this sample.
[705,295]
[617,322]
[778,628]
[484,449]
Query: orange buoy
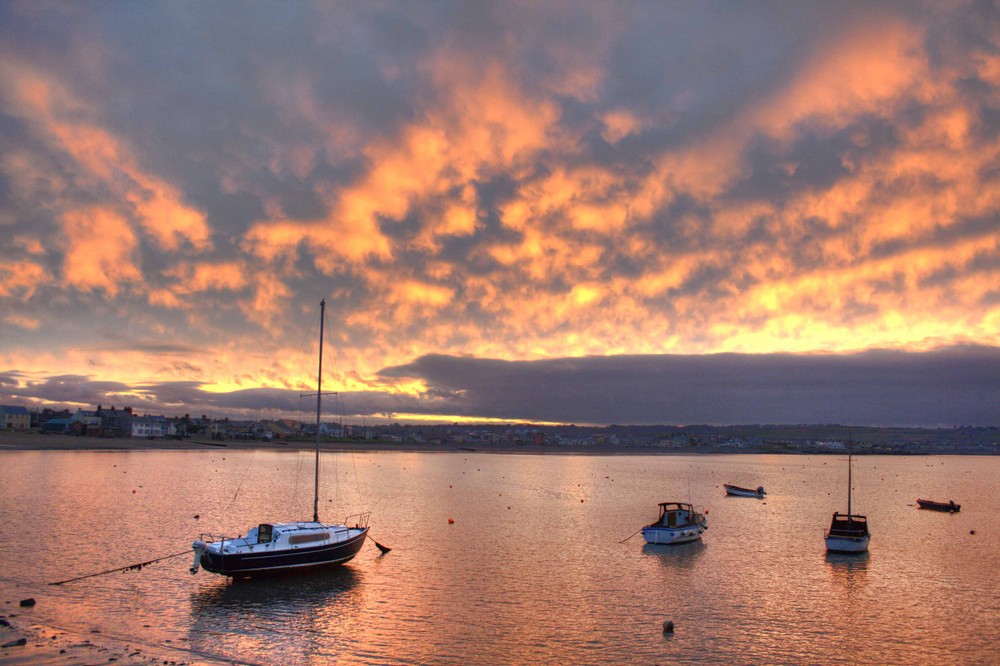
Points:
[451,521]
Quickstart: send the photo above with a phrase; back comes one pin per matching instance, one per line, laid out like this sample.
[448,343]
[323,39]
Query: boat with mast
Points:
[276,547]
[848,532]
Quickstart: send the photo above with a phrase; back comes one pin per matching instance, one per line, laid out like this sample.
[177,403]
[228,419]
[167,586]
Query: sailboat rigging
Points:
[282,546]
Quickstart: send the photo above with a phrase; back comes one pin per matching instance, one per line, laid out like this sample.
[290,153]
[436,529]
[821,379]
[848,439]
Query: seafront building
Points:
[13,417]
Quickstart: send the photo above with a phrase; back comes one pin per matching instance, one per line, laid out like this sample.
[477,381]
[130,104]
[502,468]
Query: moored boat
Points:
[948,506]
[848,532]
[678,523]
[285,546]
[743,492]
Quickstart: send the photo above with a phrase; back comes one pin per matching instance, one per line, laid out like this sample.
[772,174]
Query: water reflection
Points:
[501,585]
[253,617]
[681,554]
[848,569]
[293,592]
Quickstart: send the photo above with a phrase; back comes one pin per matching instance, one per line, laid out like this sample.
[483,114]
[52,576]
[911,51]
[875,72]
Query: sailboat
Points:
[848,532]
[276,547]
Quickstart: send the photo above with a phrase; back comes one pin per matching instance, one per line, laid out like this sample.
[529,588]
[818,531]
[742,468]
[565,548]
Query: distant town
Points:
[113,422]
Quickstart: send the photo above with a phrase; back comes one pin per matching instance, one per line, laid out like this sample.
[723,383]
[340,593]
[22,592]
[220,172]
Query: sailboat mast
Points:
[319,407]
[850,467]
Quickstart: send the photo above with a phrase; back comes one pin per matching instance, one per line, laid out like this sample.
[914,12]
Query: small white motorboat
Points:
[743,492]
[678,523]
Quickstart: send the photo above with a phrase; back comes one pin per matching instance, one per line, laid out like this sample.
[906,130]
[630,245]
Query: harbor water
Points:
[514,559]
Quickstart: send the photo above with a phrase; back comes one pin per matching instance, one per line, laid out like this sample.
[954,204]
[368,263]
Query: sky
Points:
[554,212]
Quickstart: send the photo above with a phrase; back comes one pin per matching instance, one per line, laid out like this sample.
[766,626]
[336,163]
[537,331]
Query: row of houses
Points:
[124,422]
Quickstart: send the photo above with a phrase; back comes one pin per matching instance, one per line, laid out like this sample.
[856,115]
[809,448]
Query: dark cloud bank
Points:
[953,386]
[943,388]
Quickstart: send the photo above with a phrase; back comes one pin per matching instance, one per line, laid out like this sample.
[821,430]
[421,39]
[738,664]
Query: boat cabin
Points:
[850,526]
[279,536]
[674,514]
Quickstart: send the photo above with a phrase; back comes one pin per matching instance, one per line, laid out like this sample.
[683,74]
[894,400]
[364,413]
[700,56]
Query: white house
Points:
[152,426]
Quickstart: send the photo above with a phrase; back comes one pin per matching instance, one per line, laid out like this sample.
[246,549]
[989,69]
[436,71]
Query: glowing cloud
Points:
[516,182]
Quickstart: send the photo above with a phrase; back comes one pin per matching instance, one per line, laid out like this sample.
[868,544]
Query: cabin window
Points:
[308,538]
[264,533]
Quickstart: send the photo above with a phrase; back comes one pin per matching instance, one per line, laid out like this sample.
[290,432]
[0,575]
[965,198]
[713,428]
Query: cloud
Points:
[882,388]
[516,182]
[99,160]
[100,251]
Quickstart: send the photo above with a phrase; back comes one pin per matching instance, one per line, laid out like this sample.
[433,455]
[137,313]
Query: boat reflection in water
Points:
[849,571]
[847,563]
[682,554]
[320,608]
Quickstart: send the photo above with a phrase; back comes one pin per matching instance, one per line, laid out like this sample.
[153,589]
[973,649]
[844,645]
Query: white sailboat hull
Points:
[839,544]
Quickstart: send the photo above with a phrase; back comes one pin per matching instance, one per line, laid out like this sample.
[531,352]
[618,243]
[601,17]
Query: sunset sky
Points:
[568,212]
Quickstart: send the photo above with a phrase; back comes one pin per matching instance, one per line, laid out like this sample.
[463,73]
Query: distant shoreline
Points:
[32,441]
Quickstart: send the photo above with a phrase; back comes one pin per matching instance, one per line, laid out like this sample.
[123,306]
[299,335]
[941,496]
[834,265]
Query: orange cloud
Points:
[100,246]
[20,279]
[430,162]
[588,198]
[22,321]
[270,297]
[868,66]
[202,277]
[618,124]
[196,278]
[54,113]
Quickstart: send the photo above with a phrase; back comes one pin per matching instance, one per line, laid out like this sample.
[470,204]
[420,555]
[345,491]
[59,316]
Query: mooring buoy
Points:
[668,627]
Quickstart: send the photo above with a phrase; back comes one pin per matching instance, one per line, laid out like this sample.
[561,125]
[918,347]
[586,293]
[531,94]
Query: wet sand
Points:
[29,643]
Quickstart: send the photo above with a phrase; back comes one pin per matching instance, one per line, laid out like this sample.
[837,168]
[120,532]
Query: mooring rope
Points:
[131,567]
[630,536]
[382,549]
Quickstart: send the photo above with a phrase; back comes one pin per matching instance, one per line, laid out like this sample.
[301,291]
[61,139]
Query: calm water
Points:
[531,570]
